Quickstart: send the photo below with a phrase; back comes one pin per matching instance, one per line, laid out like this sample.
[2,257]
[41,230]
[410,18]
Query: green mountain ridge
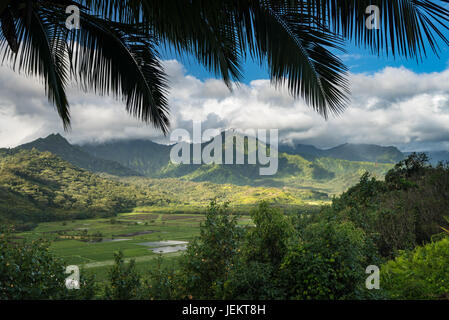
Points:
[59,146]
[320,174]
[348,151]
[39,186]
[149,159]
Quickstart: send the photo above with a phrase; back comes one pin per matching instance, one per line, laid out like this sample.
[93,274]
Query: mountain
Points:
[320,174]
[143,156]
[348,151]
[306,151]
[39,186]
[59,146]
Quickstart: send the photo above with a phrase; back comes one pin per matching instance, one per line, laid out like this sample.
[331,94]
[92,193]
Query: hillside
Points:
[347,151]
[327,175]
[39,186]
[143,156]
[59,146]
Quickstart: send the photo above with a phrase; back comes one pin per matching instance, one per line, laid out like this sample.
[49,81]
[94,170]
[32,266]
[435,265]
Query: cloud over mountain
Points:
[394,106]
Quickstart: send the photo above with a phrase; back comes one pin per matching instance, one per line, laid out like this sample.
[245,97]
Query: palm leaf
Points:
[35,57]
[115,50]
[109,59]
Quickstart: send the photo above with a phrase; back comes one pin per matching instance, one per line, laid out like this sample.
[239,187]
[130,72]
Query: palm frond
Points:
[110,58]
[9,29]
[115,52]
[298,55]
[36,57]
[406,26]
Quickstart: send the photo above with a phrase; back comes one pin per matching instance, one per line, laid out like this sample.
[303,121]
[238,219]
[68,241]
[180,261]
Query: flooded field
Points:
[166,246]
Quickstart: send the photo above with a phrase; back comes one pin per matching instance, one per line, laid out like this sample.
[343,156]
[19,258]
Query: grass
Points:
[142,224]
[97,257]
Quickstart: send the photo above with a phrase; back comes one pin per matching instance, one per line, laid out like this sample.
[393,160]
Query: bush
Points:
[29,271]
[255,274]
[161,283]
[419,274]
[124,280]
[328,263]
[208,259]
[403,211]
[268,240]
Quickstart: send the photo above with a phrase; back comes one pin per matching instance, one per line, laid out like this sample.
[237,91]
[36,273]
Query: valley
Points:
[90,202]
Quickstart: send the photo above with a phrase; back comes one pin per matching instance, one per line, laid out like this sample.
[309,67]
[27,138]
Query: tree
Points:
[116,49]
[208,259]
[125,281]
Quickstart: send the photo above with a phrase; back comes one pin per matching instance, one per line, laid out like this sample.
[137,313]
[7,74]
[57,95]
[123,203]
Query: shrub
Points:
[207,260]
[29,271]
[124,280]
[255,274]
[267,242]
[403,211]
[419,274]
[328,263]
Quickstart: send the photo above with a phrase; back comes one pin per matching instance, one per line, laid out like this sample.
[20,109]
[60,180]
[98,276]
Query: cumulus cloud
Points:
[394,106]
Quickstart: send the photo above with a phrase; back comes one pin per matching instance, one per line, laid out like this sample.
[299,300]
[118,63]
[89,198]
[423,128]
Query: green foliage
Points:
[37,186]
[328,262]
[405,210]
[256,271]
[124,281]
[208,259]
[267,242]
[445,229]
[161,283]
[29,271]
[278,255]
[422,273]
[400,178]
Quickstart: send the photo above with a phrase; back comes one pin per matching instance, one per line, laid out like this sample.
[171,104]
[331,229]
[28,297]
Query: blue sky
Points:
[358,60]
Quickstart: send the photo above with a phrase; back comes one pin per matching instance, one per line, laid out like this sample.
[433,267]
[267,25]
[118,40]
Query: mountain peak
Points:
[55,137]
[58,145]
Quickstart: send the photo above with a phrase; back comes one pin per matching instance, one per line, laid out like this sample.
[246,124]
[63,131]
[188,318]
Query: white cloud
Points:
[394,106]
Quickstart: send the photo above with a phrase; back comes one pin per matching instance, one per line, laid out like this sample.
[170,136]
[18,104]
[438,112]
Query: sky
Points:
[393,102]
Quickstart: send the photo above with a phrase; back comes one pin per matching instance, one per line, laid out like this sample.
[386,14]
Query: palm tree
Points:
[116,49]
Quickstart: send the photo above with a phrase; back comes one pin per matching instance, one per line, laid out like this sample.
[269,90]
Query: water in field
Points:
[166,246]
[168,249]
[163,243]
